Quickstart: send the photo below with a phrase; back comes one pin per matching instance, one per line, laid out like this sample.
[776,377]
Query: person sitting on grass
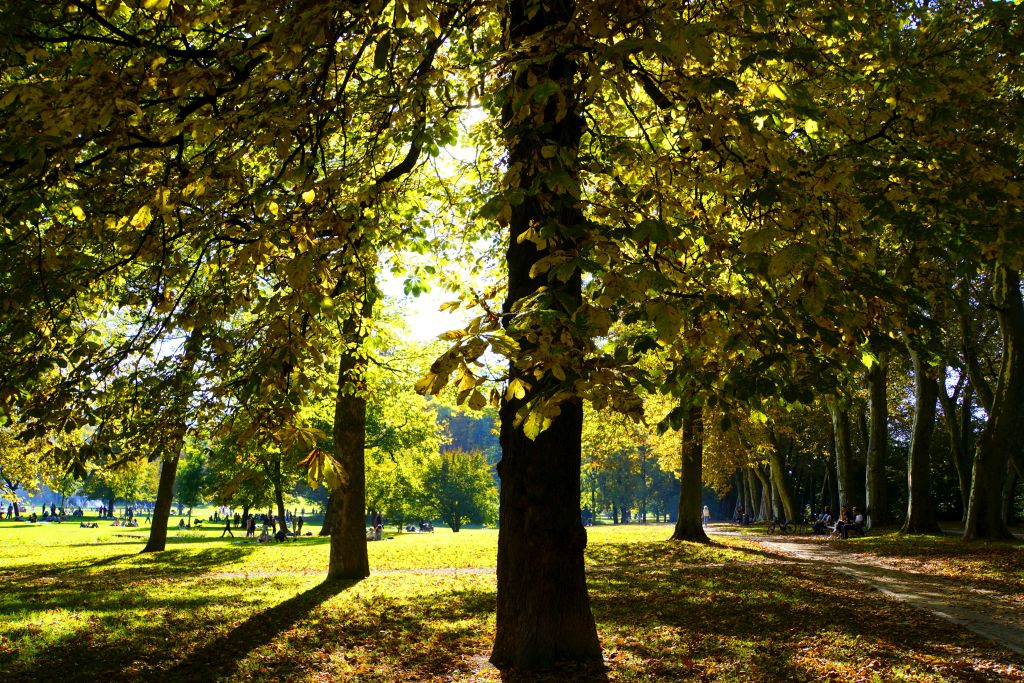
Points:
[281,535]
[264,537]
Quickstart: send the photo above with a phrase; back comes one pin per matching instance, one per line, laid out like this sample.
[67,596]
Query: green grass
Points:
[84,602]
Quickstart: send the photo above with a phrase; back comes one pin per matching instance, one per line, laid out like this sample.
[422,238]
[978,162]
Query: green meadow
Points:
[85,602]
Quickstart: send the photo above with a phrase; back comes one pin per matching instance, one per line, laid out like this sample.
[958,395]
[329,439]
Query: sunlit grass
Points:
[84,601]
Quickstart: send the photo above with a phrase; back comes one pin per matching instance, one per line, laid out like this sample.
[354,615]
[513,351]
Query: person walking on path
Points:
[706,515]
[227,527]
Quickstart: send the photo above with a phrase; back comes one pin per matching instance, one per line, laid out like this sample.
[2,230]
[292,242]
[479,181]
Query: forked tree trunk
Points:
[349,559]
[920,511]
[543,610]
[1003,434]
[689,526]
[876,505]
[844,452]
[162,508]
[764,512]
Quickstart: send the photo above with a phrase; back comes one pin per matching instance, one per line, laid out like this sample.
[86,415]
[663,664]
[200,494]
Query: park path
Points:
[987,613]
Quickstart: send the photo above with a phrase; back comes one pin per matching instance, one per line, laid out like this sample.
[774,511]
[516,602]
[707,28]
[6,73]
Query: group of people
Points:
[850,521]
[423,527]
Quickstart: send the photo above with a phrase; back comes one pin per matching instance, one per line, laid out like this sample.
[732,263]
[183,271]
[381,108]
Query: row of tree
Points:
[721,210]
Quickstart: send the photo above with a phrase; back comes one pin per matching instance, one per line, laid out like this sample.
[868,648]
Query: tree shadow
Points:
[219,658]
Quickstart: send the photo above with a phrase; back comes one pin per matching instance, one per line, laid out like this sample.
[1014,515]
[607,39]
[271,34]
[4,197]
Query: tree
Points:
[460,488]
[192,483]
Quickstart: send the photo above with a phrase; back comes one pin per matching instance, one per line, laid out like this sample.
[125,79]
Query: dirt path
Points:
[986,613]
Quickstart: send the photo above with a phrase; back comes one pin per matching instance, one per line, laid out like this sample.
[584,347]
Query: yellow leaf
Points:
[78,213]
[308,196]
[775,91]
[272,206]
[811,126]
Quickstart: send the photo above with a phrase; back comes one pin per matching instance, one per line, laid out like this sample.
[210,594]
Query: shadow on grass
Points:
[219,658]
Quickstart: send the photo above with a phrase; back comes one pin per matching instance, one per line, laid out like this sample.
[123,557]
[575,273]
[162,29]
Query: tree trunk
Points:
[543,610]
[920,511]
[755,498]
[162,509]
[780,478]
[279,493]
[764,512]
[349,559]
[689,526]
[844,452]
[1008,486]
[958,442]
[329,515]
[876,512]
[1002,434]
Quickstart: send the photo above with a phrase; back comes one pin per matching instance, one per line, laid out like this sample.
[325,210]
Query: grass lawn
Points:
[82,603]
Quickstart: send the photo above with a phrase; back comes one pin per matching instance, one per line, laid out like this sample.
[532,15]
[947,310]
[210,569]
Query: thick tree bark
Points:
[543,610]
[844,452]
[876,511]
[689,526]
[1002,435]
[348,559]
[920,511]
[1008,486]
[162,508]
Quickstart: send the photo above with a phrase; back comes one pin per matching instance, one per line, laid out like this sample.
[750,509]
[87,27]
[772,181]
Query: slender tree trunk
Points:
[543,610]
[876,506]
[1003,434]
[844,452]
[920,511]
[348,558]
[780,478]
[279,492]
[957,443]
[689,526]
[764,512]
[755,499]
[329,515]
[162,509]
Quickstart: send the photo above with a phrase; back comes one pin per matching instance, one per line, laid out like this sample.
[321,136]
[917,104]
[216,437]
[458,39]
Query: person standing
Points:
[706,515]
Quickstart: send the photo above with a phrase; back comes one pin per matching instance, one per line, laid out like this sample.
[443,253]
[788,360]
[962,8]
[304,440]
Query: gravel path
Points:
[987,613]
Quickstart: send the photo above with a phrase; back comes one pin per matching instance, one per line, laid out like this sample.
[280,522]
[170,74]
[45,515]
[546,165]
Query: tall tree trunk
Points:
[543,610]
[278,481]
[780,478]
[1002,435]
[689,526]
[162,509]
[764,512]
[876,511]
[349,559]
[844,452]
[958,442]
[755,499]
[920,511]
[330,512]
